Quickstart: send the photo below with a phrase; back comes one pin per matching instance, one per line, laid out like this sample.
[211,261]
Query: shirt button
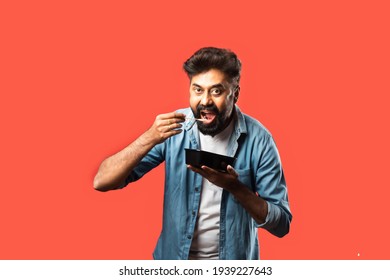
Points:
[189,236]
[193,213]
[196,189]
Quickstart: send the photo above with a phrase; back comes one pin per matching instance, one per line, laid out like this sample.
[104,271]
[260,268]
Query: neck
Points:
[230,119]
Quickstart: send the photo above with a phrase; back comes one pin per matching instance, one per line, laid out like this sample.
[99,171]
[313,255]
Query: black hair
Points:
[214,58]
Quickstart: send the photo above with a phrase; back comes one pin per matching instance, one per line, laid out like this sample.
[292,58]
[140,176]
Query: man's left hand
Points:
[226,180]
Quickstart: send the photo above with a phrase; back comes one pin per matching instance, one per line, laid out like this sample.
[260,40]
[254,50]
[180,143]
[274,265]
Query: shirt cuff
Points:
[273,217]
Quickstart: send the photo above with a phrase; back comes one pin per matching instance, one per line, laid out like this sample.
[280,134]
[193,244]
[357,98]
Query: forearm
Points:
[267,215]
[256,206]
[114,170]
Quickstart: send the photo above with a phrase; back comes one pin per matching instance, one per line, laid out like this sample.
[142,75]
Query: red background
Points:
[82,79]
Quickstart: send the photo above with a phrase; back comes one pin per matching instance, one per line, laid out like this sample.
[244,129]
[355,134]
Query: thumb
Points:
[231,171]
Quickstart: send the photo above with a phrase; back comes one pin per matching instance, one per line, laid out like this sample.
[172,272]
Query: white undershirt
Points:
[205,243]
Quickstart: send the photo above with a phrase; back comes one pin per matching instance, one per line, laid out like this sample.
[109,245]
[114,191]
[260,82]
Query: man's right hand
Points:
[114,169]
[165,126]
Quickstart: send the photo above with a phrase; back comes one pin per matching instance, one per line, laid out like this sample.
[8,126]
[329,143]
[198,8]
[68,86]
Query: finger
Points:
[172,121]
[178,120]
[231,170]
[195,169]
[167,128]
[170,127]
[171,116]
[209,170]
[173,132]
[180,116]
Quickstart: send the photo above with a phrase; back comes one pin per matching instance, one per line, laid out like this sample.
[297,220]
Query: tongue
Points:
[208,117]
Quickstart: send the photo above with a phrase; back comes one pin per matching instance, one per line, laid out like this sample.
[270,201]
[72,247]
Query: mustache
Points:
[211,108]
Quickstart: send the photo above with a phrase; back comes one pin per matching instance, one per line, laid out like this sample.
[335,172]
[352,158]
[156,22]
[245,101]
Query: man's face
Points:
[212,99]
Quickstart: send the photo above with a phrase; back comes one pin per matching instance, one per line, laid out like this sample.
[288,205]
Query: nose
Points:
[206,99]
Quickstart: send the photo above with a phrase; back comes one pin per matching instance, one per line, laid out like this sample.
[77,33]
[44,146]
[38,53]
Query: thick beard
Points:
[218,124]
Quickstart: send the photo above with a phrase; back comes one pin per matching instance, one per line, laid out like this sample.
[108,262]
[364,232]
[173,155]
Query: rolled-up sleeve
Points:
[271,186]
[151,160]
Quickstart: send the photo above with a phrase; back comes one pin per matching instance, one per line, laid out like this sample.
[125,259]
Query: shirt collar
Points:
[240,126]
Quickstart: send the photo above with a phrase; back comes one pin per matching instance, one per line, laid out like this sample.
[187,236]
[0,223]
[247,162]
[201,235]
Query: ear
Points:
[236,94]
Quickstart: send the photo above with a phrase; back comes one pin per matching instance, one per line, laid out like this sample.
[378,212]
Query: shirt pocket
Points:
[244,176]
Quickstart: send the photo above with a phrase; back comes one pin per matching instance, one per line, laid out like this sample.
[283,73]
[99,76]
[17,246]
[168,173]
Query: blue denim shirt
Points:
[259,168]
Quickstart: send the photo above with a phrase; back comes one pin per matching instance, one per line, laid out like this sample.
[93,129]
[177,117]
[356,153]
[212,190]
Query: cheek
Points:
[222,105]
[194,101]
[226,107]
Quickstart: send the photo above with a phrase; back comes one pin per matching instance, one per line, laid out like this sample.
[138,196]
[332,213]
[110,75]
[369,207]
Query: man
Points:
[208,214]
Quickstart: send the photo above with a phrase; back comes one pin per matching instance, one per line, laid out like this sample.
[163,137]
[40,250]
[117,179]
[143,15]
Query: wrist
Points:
[147,139]
[234,187]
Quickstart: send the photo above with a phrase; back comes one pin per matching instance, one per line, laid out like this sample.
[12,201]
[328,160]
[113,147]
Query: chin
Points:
[211,129]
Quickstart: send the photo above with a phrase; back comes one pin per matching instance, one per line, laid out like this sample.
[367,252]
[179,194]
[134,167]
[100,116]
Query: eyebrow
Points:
[219,85]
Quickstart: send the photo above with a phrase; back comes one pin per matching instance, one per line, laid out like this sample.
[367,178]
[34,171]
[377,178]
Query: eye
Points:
[216,91]
[197,90]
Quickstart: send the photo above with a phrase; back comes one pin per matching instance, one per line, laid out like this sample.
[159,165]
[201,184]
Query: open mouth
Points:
[207,116]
